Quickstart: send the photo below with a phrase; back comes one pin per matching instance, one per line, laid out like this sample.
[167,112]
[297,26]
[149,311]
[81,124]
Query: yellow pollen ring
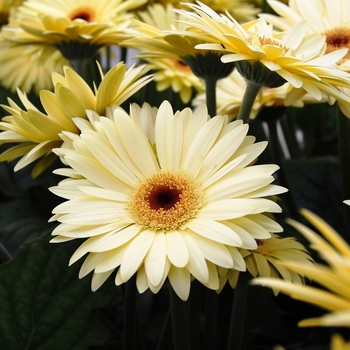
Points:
[165,201]
[338,38]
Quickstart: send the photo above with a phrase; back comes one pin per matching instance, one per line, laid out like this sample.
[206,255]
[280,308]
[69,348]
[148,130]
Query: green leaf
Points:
[44,305]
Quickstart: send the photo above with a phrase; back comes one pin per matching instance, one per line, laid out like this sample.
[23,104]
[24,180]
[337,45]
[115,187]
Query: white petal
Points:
[98,279]
[214,231]
[177,251]
[155,259]
[180,280]
[135,254]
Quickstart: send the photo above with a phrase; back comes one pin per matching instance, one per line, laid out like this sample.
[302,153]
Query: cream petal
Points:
[176,247]
[155,259]
[215,231]
[263,265]
[103,193]
[136,253]
[110,259]
[180,280]
[98,279]
[156,289]
[255,230]
[215,252]
[248,242]
[137,145]
[238,261]
[141,280]
[89,264]
[197,265]
[213,282]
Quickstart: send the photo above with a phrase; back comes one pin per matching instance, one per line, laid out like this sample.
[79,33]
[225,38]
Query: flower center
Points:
[338,38]
[263,247]
[85,13]
[260,41]
[165,201]
[182,66]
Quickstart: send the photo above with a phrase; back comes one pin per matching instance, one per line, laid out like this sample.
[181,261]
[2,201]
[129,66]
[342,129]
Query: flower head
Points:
[37,133]
[163,195]
[77,28]
[268,58]
[334,296]
[329,18]
[264,261]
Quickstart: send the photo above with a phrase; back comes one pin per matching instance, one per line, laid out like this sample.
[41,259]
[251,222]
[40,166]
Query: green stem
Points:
[210,92]
[165,336]
[194,315]
[344,160]
[235,339]
[249,97]
[282,174]
[129,332]
[211,320]
[4,254]
[178,316]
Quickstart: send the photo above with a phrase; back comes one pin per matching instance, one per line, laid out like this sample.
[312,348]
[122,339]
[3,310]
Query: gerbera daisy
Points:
[334,296]
[270,59]
[264,261]
[329,18]
[77,28]
[22,67]
[36,133]
[7,9]
[165,196]
[172,71]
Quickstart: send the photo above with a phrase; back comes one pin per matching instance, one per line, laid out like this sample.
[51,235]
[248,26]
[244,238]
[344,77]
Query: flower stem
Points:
[344,160]
[210,91]
[211,320]
[250,94]
[235,339]
[178,316]
[129,332]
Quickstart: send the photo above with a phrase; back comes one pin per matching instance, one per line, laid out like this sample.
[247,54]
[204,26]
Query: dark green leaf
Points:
[44,305]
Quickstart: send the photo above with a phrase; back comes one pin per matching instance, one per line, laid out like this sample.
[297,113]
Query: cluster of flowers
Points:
[164,194]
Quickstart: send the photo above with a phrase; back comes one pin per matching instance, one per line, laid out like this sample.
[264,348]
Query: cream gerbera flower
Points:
[77,28]
[334,296]
[329,18]
[265,260]
[270,59]
[36,133]
[154,196]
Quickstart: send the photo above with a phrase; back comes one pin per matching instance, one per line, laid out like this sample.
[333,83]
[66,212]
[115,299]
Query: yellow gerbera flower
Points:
[77,28]
[334,278]
[172,71]
[265,260]
[37,133]
[153,196]
[7,9]
[329,18]
[338,343]
[22,66]
[270,59]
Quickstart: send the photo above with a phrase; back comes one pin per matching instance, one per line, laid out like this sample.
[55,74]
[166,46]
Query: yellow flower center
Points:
[338,38]
[261,41]
[165,201]
[86,13]
[263,247]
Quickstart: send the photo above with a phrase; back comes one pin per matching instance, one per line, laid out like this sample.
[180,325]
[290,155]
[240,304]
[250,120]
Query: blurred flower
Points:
[77,28]
[334,294]
[264,261]
[338,343]
[329,18]
[270,59]
[169,72]
[8,8]
[153,195]
[22,66]
[161,34]
[37,133]
[230,92]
